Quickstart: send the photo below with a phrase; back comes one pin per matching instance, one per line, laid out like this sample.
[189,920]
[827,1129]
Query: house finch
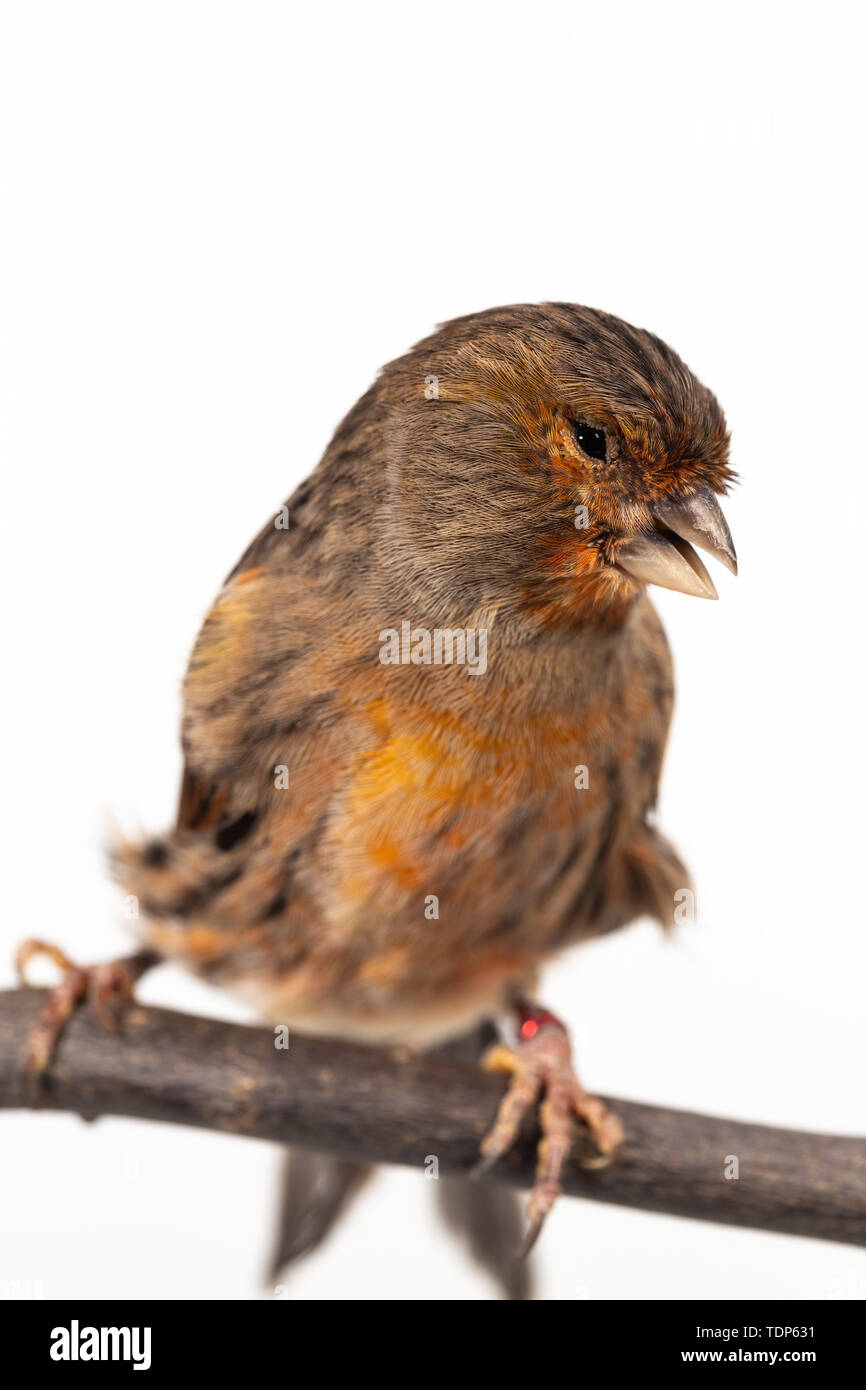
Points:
[424,720]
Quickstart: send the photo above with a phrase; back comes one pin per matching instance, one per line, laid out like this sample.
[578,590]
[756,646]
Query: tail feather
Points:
[317,1189]
[489,1219]
[491,1222]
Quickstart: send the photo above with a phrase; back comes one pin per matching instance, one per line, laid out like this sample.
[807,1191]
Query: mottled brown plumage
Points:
[446,508]
[523,472]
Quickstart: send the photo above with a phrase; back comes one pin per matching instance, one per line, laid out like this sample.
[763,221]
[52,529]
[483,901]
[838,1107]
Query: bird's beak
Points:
[665,556]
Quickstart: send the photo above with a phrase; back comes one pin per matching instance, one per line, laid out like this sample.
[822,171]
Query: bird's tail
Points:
[318,1189]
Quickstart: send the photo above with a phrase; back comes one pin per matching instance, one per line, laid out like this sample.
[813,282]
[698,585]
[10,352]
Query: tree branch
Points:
[393,1107]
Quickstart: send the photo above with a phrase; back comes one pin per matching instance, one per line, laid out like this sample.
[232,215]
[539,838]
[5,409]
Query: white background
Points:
[217,222]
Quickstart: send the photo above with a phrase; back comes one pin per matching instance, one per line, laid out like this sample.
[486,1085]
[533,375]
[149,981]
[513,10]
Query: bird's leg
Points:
[107,989]
[542,1062]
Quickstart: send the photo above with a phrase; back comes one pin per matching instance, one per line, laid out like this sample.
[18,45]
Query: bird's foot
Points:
[542,1062]
[106,988]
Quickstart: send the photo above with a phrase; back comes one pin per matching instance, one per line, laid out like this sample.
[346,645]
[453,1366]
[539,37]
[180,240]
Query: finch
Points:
[424,720]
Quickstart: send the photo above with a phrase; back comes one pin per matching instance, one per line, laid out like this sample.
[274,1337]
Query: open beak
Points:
[665,556]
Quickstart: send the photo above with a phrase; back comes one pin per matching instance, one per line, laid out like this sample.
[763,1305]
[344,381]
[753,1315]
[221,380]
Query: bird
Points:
[425,718]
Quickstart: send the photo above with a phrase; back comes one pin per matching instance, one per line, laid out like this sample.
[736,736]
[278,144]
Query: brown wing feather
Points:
[202,803]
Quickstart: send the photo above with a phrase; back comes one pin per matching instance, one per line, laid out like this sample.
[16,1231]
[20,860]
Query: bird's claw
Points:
[106,988]
[541,1064]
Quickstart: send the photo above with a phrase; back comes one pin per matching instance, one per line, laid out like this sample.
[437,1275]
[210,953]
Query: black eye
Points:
[592,442]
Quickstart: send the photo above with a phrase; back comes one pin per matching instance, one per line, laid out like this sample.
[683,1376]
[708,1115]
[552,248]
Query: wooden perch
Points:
[393,1107]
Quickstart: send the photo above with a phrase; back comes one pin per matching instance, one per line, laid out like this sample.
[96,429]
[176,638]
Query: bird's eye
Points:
[591,441]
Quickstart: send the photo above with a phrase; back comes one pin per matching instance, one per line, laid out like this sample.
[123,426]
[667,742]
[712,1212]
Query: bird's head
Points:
[555,459]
